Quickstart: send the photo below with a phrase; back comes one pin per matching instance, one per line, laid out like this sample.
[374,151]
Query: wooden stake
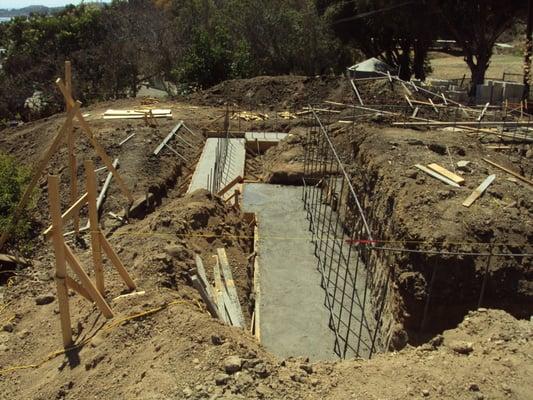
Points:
[93,223]
[61,268]
[97,147]
[117,263]
[71,149]
[522,178]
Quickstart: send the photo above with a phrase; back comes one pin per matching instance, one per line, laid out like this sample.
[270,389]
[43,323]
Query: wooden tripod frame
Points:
[73,111]
[65,256]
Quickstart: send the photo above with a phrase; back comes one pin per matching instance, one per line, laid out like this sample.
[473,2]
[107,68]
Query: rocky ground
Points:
[162,344]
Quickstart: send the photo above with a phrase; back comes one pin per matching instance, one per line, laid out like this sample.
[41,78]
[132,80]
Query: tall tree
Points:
[385,29]
[476,25]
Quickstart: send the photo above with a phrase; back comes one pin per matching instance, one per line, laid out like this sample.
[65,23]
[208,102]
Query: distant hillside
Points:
[35,9]
[28,10]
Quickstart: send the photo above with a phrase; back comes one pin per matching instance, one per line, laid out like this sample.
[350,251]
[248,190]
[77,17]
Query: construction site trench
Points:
[318,234]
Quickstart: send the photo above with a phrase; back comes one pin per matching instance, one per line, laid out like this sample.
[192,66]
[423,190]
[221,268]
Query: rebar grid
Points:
[356,267]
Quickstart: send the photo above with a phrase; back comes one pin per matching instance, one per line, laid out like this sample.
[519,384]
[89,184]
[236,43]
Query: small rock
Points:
[314,382]
[462,347]
[249,364]
[8,327]
[232,364]
[216,340]
[437,341]
[463,165]
[221,379]
[261,370]
[307,368]
[479,396]
[411,173]
[187,392]
[506,388]
[425,393]
[44,299]
[473,387]
[177,251]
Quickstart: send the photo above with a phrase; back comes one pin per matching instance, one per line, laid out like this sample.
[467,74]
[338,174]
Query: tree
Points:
[384,29]
[476,25]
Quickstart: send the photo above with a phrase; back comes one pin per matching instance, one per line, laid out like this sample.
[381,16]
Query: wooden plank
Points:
[211,307]
[479,191]
[409,101]
[516,175]
[356,92]
[415,112]
[115,260]
[433,105]
[94,229]
[128,138]
[97,147]
[483,112]
[87,284]
[230,285]
[75,286]
[61,268]
[468,123]
[202,275]
[101,195]
[448,174]
[257,286]
[167,138]
[226,188]
[6,258]
[437,176]
[74,208]
[219,292]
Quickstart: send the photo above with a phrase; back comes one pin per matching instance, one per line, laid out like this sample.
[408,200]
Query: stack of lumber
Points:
[221,300]
[138,113]
[249,116]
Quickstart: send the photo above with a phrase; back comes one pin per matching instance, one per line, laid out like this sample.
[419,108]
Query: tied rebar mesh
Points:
[215,178]
[337,222]
[356,266]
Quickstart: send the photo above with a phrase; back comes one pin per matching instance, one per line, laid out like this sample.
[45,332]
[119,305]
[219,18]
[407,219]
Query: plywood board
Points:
[448,174]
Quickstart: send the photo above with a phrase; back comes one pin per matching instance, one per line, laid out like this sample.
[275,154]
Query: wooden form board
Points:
[230,285]
[479,191]
[211,307]
[448,174]
[167,138]
[516,175]
[437,175]
[219,293]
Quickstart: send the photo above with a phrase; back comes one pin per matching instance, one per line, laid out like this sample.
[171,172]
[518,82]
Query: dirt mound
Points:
[275,91]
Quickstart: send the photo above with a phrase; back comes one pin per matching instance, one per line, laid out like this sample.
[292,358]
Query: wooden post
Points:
[61,268]
[71,150]
[93,223]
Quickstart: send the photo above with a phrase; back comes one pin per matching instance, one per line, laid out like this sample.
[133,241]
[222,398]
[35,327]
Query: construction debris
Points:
[137,114]
[479,191]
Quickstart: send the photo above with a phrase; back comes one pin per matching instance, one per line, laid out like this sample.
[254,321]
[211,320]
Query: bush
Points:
[13,180]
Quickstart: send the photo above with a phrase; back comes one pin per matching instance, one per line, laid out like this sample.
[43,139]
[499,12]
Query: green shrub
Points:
[14,178]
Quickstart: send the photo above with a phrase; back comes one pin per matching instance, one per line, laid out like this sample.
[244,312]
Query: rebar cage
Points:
[356,266]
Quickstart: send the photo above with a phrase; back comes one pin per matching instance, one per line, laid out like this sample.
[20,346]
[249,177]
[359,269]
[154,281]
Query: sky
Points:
[49,3]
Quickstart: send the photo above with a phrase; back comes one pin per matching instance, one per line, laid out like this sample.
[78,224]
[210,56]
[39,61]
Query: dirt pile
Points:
[285,92]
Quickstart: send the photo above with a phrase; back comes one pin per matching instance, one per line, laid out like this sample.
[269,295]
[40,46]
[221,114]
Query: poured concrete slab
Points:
[293,318]
[233,168]
[262,141]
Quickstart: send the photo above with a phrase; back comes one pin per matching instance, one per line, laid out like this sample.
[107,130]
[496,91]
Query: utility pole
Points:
[527,52]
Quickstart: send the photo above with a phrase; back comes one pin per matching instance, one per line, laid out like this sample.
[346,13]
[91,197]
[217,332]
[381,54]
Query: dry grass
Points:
[450,67]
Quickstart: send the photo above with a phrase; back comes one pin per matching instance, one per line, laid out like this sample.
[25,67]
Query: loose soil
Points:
[164,345]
